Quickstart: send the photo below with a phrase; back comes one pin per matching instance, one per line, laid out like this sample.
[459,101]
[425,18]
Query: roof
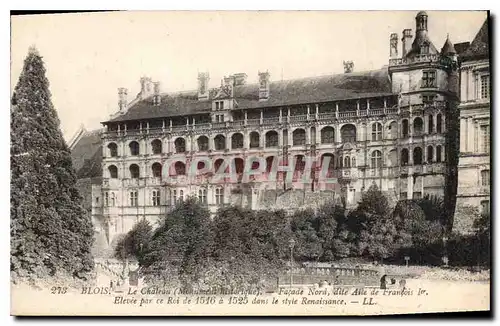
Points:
[448,47]
[86,154]
[288,92]
[461,47]
[479,48]
[420,39]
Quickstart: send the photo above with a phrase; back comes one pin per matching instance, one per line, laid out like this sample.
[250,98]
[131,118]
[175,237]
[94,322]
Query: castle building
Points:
[474,163]
[386,127]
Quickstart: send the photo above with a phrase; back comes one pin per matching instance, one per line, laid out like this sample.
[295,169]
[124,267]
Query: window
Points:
[113,150]
[393,130]
[405,128]
[219,118]
[174,197]
[156,169]
[431,124]
[217,106]
[178,196]
[180,168]
[404,195]
[134,148]
[485,138]
[255,139]
[219,196]
[156,197]
[485,177]
[404,156]
[134,171]
[220,142]
[429,79]
[417,156]
[438,153]
[113,199]
[299,137]
[439,123]
[417,195]
[376,131]
[485,87]
[156,146]
[485,207]
[418,126]
[430,153]
[113,171]
[237,141]
[133,198]
[106,199]
[97,200]
[347,162]
[327,135]
[202,196]
[424,49]
[180,145]
[271,139]
[348,133]
[181,195]
[376,159]
[221,105]
[202,143]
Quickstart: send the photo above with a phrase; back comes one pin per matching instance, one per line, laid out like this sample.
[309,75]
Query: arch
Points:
[438,153]
[180,168]
[376,131]
[404,128]
[180,145]
[348,133]
[237,141]
[271,138]
[393,130]
[134,171]
[134,148]
[300,163]
[392,157]
[430,153]
[217,164]
[113,171]
[156,146]
[431,124]
[202,143]
[405,156]
[156,169]
[439,123]
[113,149]
[376,159]
[328,158]
[269,163]
[239,165]
[347,161]
[417,155]
[254,139]
[328,135]
[299,137]
[418,126]
[220,142]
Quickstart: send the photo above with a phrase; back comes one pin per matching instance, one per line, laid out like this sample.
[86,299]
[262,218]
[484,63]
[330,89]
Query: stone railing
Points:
[415,59]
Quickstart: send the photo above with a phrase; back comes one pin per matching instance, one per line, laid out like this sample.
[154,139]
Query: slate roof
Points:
[479,48]
[448,47]
[288,92]
[461,47]
[86,154]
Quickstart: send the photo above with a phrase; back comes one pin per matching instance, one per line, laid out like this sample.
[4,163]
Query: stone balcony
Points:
[420,58]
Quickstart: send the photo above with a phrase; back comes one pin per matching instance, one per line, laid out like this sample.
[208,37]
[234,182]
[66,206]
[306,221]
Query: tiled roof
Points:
[86,154]
[461,47]
[479,48]
[448,47]
[288,92]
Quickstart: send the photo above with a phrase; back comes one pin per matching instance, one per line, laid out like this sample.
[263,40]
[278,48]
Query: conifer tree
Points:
[50,230]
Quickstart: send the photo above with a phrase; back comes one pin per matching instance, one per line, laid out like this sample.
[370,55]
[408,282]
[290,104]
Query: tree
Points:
[308,246]
[333,232]
[50,230]
[179,248]
[135,242]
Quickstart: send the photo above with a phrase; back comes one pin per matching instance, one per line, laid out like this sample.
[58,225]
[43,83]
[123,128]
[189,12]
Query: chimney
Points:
[240,79]
[156,97]
[203,78]
[264,86]
[393,53]
[407,36]
[146,87]
[122,98]
[348,66]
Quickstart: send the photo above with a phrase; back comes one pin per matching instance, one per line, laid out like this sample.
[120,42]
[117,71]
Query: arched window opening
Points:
[255,139]
[134,148]
[405,157]
[134,171]
[438,153]
[237,141]
[156,146]
[376,159]
[439,123]
[180,168]
[220,142]
[417,156]
[348,133]
[113,172]
[156,168]
[202,143]
[272,139]
[405,128]
[180,145]
[328,135]
[418,126]
[299,137]
[430,154]
[113,150]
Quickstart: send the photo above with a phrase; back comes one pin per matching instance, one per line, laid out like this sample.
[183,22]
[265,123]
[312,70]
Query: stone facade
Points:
[385,127]
[474,164]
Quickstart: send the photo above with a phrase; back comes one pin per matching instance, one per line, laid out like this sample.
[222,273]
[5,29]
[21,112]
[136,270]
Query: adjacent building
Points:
[474,162]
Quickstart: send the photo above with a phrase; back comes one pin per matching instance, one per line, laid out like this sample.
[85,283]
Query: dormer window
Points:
[219,105]
[424,49]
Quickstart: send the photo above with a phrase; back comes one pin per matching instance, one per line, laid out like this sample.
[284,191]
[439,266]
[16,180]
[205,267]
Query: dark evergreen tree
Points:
[135,243]
[50,230]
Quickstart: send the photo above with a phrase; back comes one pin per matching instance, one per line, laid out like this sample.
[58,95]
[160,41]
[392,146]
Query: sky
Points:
[88,56]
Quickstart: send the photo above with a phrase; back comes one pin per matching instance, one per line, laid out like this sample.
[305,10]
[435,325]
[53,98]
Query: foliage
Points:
[135,242]
[50,230]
